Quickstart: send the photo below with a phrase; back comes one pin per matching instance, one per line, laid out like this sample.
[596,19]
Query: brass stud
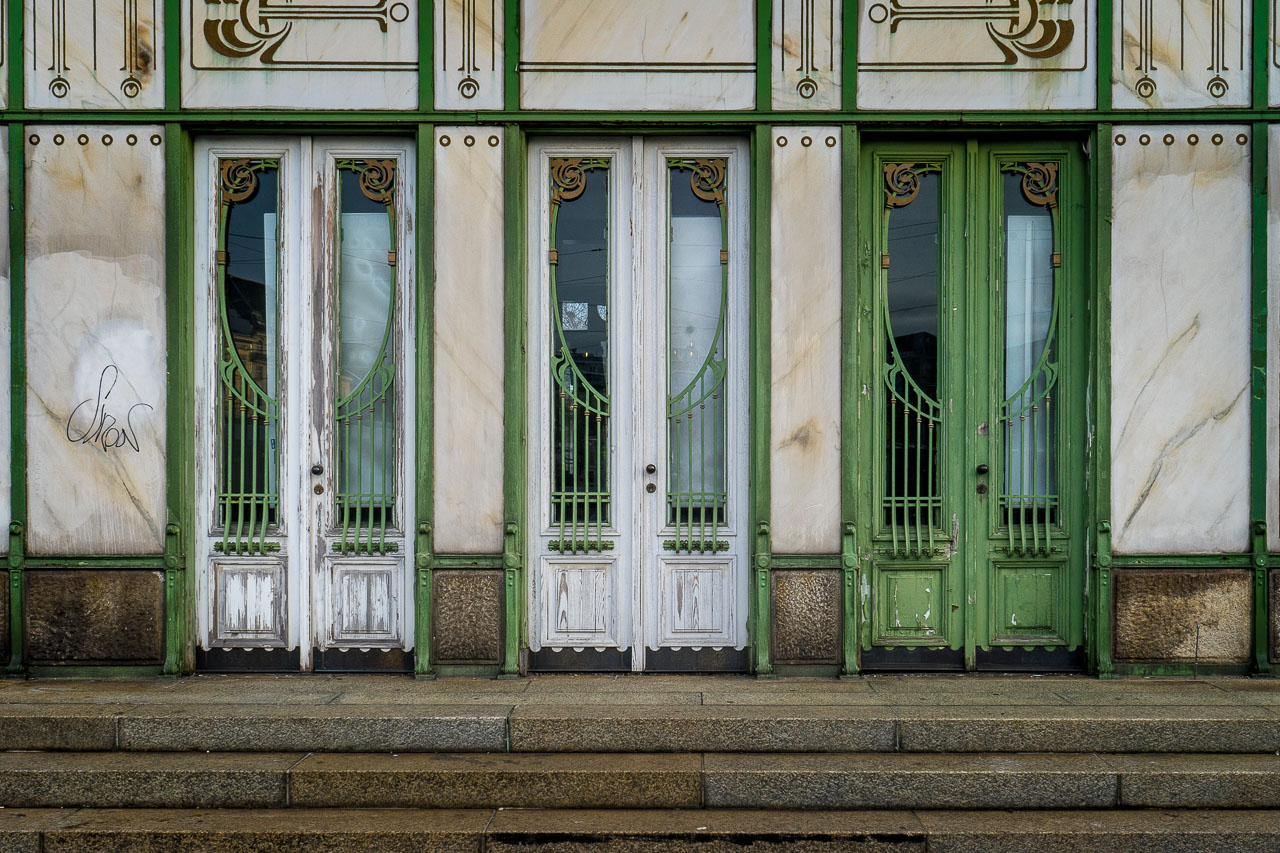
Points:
[782,142]
[132,139]
[1217,139]
[156,139]
[831,142]
[1168,139]
[83,139]
[1120,140]
[493,141]
[34,139]
[884,261]
[1144,139]
[106,139]
[806,141]
[58,139]
[1193,139]
[1242,139]
[444,141]
[469,140]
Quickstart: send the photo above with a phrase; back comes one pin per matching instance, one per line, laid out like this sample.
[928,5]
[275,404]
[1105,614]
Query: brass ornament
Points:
[239,178]
[377,178]
[902,182]
[569,176]
[1040,183]
[708,178]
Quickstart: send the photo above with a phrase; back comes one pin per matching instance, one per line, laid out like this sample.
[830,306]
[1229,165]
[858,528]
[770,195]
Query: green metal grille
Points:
[581,482]
[697,488]
[1029,499]
[248,499]
[366,439]
[912,501]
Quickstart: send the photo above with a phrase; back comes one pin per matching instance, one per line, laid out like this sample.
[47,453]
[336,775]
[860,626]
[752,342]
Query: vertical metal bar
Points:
[891,487]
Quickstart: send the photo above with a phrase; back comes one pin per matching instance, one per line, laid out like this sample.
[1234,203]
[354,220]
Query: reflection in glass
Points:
[912,291]
[366,440]
[580,403]
[697,302]
[248,406]
[1030,366]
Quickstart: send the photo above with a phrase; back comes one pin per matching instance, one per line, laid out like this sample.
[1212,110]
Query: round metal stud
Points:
[469,141]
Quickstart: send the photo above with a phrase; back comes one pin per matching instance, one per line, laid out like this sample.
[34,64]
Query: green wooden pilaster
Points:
[764,54]
[762,551]
[1258,398]
[511,54]
[1100,593]
[424,392]
[515,446]
[17,367]
[849,284]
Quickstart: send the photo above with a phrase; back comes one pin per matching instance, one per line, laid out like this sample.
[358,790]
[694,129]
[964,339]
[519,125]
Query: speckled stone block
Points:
[466,617]
[806,617]
[1157,612]
[4,615]
[94,617]
[1273,613]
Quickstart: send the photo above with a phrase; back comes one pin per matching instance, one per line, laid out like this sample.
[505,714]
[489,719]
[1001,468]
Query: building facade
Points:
[771,336]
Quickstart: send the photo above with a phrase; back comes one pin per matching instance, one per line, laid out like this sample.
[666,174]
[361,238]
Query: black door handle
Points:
[317,470]
[651,468]
[984,468]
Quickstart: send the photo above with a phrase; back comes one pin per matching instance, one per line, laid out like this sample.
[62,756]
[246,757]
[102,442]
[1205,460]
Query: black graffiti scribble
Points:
[105,429]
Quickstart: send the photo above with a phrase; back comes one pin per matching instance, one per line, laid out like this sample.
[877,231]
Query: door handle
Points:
[651,468]
[983,468]
[317,470]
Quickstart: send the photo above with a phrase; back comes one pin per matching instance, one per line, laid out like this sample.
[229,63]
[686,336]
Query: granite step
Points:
[637,780]
[641,831]
[224,727]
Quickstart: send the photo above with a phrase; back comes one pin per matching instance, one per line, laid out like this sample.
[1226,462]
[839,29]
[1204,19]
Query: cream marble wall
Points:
[808,43]
[804,431]
[1181,55]
[469,54]
[5,257]
[95,339]
[619,54]
[345,54]
[1273,340]
[1180,291]
[468,345]
[105,55]
[918,57]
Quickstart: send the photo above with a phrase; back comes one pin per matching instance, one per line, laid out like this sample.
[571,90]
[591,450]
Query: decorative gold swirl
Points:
[569,179]
[902,182]
[708,178]
[239,179]
[1040,183]
[377,179]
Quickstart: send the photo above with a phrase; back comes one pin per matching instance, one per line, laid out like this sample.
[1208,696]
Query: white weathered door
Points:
[637,328]
[301,323]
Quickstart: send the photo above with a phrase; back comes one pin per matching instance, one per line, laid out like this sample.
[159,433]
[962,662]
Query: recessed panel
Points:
[1182,54]
[469,54]
[364,601]
[578,602]
[105,55]
[1029,603]
[808,45]
[249,603]
[910,606]
[697,602]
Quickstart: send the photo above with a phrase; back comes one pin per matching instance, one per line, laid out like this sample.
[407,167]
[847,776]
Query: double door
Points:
[637,416]
[971,413]
[304,432]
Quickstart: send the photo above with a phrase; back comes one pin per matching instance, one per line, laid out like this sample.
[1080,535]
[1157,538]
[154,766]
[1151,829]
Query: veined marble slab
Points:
[5,411]
[1021,55]
[469,348]
[1181,55]
[106,55]
[619,54]
[804,411]
[1273,341]
[1180,317]
[95,339]
[469,55]
[340,54]
[808,43]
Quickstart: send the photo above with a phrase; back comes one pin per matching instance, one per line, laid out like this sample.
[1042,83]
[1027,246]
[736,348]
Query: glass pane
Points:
[1029,364]
[912,296]
[580,405]
[366,345]
[248,499]
[696,304]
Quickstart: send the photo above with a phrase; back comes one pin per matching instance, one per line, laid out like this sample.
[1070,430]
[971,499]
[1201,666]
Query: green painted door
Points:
[971,408]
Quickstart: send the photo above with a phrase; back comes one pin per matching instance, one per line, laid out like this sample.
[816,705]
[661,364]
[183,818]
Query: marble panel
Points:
[469,55]
[5,411]
[804,430]
[1180,308]
[341,54]
[1184,55]
[808,43]
[95,267]
[975,55]
[106,55]
[468,343]
[618,54]
[1273,340]
[4,56]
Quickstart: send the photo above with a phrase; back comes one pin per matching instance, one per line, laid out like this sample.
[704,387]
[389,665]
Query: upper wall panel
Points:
[1273,60]
[469,63]
[1181,54]
[1181,275]
[939,54]
[342,54]
[808,44]
[1273,343]
[624,55]
[102,56]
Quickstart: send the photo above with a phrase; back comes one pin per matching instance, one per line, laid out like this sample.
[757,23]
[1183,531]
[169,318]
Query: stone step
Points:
[625,727]
[641,831]
[637,780]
